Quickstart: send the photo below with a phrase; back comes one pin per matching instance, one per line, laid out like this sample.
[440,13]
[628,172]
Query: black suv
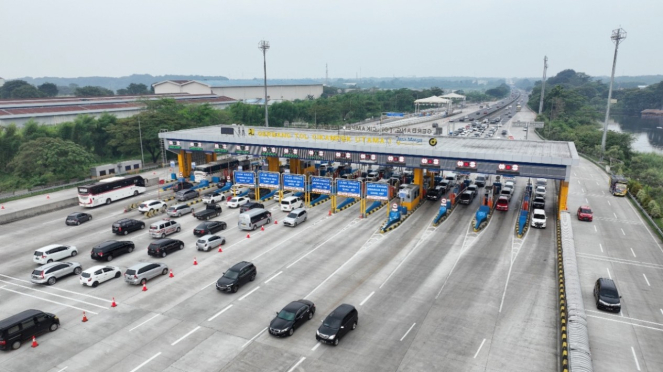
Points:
[126,225]
[337,324]
[250,205]
[162,247]
[25,325]
[291,317]
[182,186]
[539,202]
[606,295]
[209,227]
[110,249]
[238,275]
[435,194]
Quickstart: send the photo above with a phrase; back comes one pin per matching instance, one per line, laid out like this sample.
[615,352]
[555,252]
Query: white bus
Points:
[109,190]
[207,171]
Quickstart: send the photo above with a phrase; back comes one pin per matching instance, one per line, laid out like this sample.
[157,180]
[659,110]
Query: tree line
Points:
[20,89]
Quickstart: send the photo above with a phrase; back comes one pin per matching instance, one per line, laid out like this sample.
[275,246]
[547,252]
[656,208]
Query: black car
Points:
[291,317]
[250,205]
[209,227]
[162,247]
[23,326]
[337,324]
[181,186]
[539,202]
[110,249]
[435,193]
[238,275]
[606,295]
[127,225]
[78,218]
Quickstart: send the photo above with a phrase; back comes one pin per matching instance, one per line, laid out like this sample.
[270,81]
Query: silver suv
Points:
[142,272]
[179,210]
[295,217]
[51,272]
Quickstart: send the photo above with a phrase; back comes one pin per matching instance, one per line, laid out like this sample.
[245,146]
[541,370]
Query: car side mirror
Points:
[277,313]
[620,296]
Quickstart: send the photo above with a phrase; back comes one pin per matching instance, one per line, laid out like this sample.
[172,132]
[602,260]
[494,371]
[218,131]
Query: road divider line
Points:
[601,246]
[60,289]
[408,331]
[643,274]
[185,336]
[366,299]
[254,337]
[615,214]
[285,240]
[51,301]
[318,344]
[609,203]
[219,313]
[633,253]
[300,362]
[480,346]
[625,317]
[277,274]
[637,365]
[623,233]
[595,228]
[56,295]
[247,295]
[214,282]
[144,322]
[63,369]
[597,183]
[586,201]
[320,245]
[145,362]
[609,276]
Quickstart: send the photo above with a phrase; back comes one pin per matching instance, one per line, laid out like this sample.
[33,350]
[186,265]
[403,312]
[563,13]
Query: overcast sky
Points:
[491,38]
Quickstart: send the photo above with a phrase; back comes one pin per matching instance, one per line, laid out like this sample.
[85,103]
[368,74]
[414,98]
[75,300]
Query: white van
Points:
[290,203]
[164,227]
[254,218]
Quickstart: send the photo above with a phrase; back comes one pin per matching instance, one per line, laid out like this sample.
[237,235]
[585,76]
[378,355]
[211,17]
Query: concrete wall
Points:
[275,92]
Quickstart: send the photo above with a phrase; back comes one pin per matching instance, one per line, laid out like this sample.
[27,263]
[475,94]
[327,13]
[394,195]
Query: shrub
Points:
[654,209]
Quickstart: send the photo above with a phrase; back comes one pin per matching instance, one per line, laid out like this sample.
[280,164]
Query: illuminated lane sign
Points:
[316,154]
[268,151]
[343,155]
[221,148]
[368,158]
[174,145]
[291,153]
[466,165]
[508,168]
[428,162]
[395,159]
[242,150]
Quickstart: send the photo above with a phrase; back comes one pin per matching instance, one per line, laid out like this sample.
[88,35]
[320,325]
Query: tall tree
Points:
[48,89]
[137,89]
[90,91]
[7,89]
[26,91]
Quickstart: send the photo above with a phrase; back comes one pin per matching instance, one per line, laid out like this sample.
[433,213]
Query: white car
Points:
[507,191]
[541,182]
[539,218]
[209,241]
[151,205]
[540,190]
[237,201]
[286,194]
[54,252]
[99,274]
[215,197]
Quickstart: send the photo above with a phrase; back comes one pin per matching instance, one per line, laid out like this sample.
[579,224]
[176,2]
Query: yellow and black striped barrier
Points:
[131,207]
[168,198]
[562,301]
[320,202]
[346,206]
[375,209]
[154,212]
[195,201]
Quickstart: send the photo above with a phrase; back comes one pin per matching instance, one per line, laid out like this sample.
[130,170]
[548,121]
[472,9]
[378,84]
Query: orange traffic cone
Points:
[3,207]
[262,228]
[144,287]
[113,304]
[220,250]
[171,274]
[84,317]
[195,262]
[248,236]
[330,212]
[47,197]
[276,222]
[34,342]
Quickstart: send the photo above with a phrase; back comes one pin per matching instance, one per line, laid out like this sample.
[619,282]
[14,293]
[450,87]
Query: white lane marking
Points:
[145,362]
[595,228]
[597,183]
[144,322]
[288,239]
[583,190]
[625,317]
[661,311]
[578,181]
[277,274]
[254,337]
[323,243]
[219,313]
[637,365]
[408,331]
[633,253]
[621,261]
[615,214]
[480,346]
[185,336]
[622,231]
[214,282]
[56,295]
[609,276]
[247,295]
[318,344]
[586,201]
[601,246]
[643,274]
[60,289]
[63,369]
[51,301]
[609,203]
[366,299]
[297,364]
[574,173]
[658,244]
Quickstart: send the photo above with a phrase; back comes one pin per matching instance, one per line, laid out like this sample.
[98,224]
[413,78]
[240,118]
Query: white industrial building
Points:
[248,91]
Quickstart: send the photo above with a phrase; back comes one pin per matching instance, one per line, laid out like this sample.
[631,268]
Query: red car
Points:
[585,213]
[502,204]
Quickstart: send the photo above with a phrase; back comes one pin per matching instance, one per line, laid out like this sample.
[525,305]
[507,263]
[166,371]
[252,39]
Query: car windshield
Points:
[234,200]
[202,226]
[172,208]
[292,215]
[36,272]
[37,253]
[131,272]
[231,274]
[332,323]
[286,315]
[585,210]
[609,292]
[539,217]
[202,241]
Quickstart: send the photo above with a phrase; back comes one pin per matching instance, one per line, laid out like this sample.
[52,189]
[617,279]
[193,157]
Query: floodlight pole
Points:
[617,36]
[543,83]
[264,45]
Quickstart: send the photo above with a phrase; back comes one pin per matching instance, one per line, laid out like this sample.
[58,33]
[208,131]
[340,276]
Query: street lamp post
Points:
[140,136]
[264,45]
[617,36]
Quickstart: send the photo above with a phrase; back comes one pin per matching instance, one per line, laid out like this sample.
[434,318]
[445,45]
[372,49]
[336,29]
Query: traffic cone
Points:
[113,304]
[171,274]
[84,317]
[3,207]
[34,342]
[248,236]
[276,222]
[195,262]
[144,287]
[330,212]
[47,197]
[220,250]
[262,228]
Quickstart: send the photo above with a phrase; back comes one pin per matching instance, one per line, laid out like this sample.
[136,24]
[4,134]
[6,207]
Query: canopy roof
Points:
[432,99]
[453,95]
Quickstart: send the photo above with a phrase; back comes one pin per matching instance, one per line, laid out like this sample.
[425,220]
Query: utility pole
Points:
[543,83]
[617,36]
[264,45]
[140,136]
[326,75]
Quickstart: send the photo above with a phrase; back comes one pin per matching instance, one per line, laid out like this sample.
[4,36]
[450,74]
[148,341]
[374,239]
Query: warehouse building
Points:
[246,90]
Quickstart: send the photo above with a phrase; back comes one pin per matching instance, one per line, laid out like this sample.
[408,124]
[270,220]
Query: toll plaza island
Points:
[426,156]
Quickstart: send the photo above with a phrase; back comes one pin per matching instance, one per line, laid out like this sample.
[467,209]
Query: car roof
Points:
[150,201]
[207,223]
[95,268]
[541,211]
[294,306]
[585,207]
[207,237]
[341,311]
[49,265]
[19,317]
[50,246]
[503,197]
[240,265]
[290,198]
[160,241]
[607,283]
[297,210]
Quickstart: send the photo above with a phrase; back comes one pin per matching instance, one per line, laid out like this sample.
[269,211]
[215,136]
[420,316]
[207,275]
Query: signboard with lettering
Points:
[269,180]
[294,182]
[245,178]
[377,191]
[349,188]
[321,185]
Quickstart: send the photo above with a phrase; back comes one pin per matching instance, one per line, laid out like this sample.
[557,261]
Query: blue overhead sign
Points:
[321,185]
[269,180]
[396,114]
[245,178]
[349,188]
[377,191]
[293,182]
